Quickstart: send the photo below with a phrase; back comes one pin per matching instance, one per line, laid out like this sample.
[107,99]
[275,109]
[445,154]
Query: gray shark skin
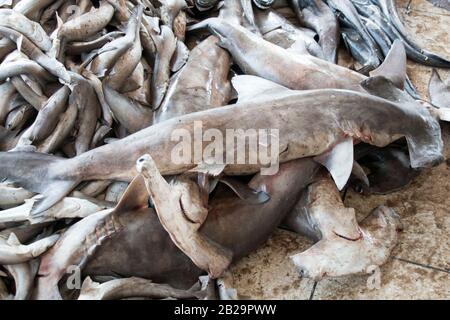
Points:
[359,49]
[33,52]
[208,89]
[342,246]
[385,43]
[30,29]
[255,56]
[124,249]
[29,8]
[305,127]
[87,46]
[277,29]
[349,18]
[259,57]
[315,14]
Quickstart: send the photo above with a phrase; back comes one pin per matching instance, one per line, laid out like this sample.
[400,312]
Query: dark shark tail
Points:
[38,172]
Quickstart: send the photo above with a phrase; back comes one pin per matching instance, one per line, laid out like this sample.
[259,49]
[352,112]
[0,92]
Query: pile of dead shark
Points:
[147,145]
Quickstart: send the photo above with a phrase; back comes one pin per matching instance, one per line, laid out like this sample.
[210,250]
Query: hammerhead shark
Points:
[101,243]
[317,123]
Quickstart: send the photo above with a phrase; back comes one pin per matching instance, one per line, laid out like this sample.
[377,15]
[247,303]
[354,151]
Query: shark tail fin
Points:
[40,173]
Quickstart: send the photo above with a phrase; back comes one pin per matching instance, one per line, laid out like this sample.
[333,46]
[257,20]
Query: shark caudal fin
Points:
[37,172]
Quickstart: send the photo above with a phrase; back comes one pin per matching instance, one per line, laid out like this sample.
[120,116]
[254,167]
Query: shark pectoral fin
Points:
[360,174]
[244,192]
[384,88]
[54,192]
[338,161]
[209,169]
[394,66]
[251,87]
[135,196]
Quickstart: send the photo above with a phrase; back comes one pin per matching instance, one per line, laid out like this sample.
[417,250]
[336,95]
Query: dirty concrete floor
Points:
[420,264]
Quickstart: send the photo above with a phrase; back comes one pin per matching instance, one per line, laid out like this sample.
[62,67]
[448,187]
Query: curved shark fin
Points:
[52,194]
[244,192]
[360,174]
[394,66]
[251,87]
[338,161]
[135,197]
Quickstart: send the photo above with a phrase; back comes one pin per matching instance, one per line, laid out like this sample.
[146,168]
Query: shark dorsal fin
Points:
[135,197]
[252,87]
[385,88]
[394,66]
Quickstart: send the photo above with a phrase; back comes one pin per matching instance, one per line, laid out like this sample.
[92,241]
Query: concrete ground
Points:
[420,264]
